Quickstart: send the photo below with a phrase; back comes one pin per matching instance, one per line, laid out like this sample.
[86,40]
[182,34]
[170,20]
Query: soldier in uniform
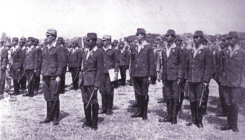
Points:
[52,68]
[123,62]
[38,71]
[30,66]
[198,76]
[22,44]
[74,63]
[3,67]
[232,65]
[172,74]
[16,64]
[111,61]
[91,81]
[142,66]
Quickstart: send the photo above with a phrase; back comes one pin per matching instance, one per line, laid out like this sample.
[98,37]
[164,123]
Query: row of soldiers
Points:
[91,69]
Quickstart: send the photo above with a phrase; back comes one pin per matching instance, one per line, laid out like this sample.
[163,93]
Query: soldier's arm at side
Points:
[100,69]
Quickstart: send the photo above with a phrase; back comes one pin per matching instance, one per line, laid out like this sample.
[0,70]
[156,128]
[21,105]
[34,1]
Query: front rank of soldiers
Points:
[92,68]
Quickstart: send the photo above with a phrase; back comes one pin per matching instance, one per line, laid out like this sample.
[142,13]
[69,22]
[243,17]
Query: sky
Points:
[75,18]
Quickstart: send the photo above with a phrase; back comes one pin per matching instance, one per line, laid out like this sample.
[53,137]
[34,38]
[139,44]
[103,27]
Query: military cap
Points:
[140,31]
[15,39]
[115,41]
[60,40]
[170,32]
[233,34]
[30,39]
[36,41]
[158,38]
[178,38]
[23,39]
[91,36]
[51,32]
[106,37]
[199,34]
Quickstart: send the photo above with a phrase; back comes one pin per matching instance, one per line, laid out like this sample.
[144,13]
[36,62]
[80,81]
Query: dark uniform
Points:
[142,67]
[23,79]
[172,73]
[31,66]
[16,65]
[111,61]
[91,80]
[52,69]
[233,71]
[74,63]
[198,76]
[39,61]
[3,67]
[124,55]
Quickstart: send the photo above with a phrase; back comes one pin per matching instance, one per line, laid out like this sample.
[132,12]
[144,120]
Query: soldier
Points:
[8,77]
[172,74]
[74,63]
[65,53]
[30,66]
[123,62]
[22,44]
[16,65]
[38,71]
[91,81]
[3,66]
[232,65]
[111,62]
[52,68]
[142,66]
[198,76]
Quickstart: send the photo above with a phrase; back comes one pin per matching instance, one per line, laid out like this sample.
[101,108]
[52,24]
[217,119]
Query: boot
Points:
[181,101]
[193,106]
[109,104]
[136,100]
[228,114]
[200,113]
[169,113]
[145,106]
[234,118]
[95,109]
[49,117]
[56,113]
[175,111]
[104,105]
[139,111]
[87,112]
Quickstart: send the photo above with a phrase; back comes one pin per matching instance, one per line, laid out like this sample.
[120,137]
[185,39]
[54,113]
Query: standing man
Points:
[22,44]
[39,61]
[123,62]
[172,74]
[142,67]
[31,66]
[74,63]
[233,70]
[198,76]
[52,68]
[92,73]
[3,66]
[111,62]
[16,64]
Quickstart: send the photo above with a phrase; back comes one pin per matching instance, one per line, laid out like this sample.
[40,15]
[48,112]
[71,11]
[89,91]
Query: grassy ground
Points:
[20,116]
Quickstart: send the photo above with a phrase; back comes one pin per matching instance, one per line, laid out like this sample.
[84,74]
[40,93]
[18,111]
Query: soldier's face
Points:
[197,40]
[140,37]
[169,38]
[22,43]
[15,42]
[50,38]
[233,41]
[178,42]
[29,43]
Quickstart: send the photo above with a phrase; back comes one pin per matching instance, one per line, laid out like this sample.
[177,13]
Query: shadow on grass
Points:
[215,120]
[63,114]
[100,119]
[212,100]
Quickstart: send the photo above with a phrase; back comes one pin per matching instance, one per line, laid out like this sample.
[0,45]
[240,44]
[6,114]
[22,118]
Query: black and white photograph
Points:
[122,70]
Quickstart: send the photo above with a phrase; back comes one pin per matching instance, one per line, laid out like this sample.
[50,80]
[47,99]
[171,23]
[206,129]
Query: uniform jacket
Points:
[16,61]
[52,61]
[39,56]
[123,58]
[3,58]
[93,66]
[111,59]
[233,67]
[172,64]
[199,66]
[142,61]
[31,59]
[75,58]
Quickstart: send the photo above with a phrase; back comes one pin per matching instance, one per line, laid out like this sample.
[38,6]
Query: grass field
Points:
[20,116]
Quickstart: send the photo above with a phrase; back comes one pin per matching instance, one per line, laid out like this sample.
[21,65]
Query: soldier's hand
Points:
[57,79]
[178,81]
[205,84]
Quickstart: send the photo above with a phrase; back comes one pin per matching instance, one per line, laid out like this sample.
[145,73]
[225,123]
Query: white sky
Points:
[119,17]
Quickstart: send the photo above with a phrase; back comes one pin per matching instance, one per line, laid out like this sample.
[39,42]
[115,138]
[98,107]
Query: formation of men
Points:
[183,70]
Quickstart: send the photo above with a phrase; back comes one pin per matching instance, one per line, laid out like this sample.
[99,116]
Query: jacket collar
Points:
[232,52]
